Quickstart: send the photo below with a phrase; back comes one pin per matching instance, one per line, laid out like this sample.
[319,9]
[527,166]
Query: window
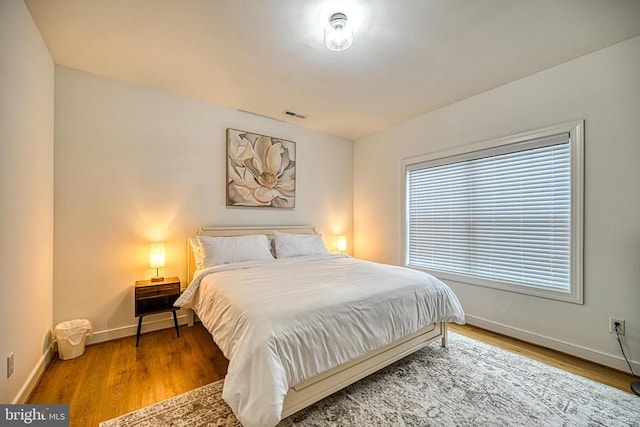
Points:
[505,214]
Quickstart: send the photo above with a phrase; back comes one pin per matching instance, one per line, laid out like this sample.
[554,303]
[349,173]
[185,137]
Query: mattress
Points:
[282,321]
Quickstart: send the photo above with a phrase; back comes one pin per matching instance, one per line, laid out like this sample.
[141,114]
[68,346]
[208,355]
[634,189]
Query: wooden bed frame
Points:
[312,390]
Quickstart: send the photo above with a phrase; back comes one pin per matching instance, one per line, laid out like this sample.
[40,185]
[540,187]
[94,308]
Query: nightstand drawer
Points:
[157,291]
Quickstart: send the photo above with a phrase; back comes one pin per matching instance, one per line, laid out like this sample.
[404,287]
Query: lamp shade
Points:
[156,255]
[342,243]
[338,34]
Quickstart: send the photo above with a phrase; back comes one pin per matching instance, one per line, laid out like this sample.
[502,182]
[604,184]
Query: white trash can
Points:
[71,336]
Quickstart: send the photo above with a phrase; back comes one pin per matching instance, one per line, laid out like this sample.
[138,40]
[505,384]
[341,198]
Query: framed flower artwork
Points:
[261,170]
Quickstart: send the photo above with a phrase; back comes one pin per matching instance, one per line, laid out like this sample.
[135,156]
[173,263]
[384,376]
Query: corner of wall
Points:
[26,191]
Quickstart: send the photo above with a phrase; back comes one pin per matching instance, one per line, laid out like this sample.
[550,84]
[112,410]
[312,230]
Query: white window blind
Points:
[501,214]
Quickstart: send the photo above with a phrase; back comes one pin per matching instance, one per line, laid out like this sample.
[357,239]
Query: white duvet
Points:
[282,321]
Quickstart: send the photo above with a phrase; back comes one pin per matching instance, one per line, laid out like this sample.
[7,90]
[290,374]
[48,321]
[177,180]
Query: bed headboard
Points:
[242,231]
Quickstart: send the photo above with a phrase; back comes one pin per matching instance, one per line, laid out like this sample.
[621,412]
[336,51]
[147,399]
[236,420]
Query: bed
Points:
[296,329]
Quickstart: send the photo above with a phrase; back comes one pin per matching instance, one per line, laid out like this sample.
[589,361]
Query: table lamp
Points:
[156,260]
[342,244]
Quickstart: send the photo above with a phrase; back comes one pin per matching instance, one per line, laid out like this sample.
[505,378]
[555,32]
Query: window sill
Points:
[574,297]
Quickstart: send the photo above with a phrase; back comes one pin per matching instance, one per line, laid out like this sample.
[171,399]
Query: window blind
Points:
[501,214]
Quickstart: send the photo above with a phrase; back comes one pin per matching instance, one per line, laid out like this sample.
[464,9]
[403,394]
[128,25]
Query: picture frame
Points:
[261,170]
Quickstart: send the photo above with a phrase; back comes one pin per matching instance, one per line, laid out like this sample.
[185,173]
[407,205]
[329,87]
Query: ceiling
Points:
[408,57]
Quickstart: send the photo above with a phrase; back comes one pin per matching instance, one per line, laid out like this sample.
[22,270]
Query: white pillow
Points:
[290,244]
[197,252]
[224,250]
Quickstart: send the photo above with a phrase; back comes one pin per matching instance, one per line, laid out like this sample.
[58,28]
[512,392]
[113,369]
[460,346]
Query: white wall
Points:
[604,89]
[135,165]
[26,196]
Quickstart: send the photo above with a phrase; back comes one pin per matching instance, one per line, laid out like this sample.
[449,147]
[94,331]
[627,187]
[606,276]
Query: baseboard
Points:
[149,324]
[34,377]
[612,361]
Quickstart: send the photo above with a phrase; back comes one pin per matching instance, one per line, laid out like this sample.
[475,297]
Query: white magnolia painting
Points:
[261,170]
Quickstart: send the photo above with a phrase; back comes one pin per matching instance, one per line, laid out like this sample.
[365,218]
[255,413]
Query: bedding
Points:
[282,321]
[198,258]
[295,244]
[211,251]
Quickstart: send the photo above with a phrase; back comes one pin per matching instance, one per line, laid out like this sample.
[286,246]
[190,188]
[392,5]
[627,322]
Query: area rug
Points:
[467,384]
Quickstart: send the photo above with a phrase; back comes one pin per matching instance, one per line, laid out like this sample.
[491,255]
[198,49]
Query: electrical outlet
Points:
[9,365]
[612,325]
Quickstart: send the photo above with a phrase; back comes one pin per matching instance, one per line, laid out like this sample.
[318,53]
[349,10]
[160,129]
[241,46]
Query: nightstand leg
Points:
[175,322]
[140,327]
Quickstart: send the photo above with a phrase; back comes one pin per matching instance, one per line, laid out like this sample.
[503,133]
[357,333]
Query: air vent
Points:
[296,115]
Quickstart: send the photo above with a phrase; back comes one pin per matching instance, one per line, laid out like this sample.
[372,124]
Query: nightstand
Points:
[156,297]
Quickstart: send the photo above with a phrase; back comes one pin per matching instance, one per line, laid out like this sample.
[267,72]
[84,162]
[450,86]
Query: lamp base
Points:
[157,279]
[635,387]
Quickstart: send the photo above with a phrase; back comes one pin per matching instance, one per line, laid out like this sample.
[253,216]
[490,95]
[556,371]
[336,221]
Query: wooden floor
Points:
[114,378]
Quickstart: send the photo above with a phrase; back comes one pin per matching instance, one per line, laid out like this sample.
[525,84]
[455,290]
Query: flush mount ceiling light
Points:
[338,34]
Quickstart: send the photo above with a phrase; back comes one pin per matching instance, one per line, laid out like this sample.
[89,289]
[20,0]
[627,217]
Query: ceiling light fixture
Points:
[338,34]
